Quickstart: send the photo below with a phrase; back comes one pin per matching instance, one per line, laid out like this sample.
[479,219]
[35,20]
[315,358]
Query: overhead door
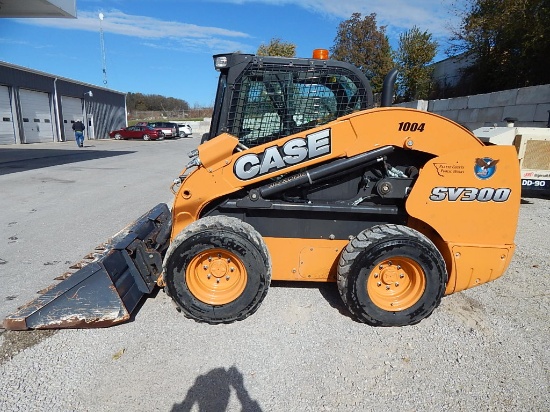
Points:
[71,108]
[36,116]
[7,131]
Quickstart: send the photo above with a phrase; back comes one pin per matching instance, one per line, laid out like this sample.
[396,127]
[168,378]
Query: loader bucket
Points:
[104,291]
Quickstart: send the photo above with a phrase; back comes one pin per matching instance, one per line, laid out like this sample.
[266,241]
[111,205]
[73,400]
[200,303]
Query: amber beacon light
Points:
[321,54]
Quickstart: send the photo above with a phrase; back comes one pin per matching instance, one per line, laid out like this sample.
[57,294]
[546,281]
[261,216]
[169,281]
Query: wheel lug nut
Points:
[380,267]
[208,276]
[376,275]
[396,283]
[232,269]
[379,284]
[398,267]
[401,276]
[210,258]
[205,267]
[219,255]
[228,260]
[218,280]
[388,287]
[227,278]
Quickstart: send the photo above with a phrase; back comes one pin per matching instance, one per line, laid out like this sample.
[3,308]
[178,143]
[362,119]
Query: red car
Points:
[137,132]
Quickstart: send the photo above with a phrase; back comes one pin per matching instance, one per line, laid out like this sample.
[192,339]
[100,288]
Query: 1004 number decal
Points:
[411,127]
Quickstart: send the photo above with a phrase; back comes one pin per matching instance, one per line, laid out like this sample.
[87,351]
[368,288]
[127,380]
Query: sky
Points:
[165,46]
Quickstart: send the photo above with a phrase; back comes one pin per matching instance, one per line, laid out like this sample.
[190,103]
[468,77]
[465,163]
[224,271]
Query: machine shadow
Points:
[329,291]
[211,392]
[21,160]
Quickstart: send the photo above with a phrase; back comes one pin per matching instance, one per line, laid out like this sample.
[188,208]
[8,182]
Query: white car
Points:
[185,130]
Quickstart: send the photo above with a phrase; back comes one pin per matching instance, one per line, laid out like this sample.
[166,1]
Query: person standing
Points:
[78,128]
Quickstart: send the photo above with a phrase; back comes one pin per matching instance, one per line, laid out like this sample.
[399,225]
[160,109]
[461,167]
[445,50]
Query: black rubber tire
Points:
[226,233]
[365,252]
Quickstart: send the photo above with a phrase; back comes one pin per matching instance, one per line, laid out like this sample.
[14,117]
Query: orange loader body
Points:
[472,227]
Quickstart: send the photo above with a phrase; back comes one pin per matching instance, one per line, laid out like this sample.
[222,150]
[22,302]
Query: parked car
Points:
[185,130]
[137,132]
[168,128]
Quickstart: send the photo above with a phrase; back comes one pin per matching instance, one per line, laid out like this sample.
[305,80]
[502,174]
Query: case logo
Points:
[485,167]
[275,157]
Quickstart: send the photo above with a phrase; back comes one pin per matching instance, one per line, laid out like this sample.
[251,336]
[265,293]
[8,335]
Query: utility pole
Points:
[101,39]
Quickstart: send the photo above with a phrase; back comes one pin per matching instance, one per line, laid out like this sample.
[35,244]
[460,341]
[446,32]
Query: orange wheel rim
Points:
[396,284]
[216,277]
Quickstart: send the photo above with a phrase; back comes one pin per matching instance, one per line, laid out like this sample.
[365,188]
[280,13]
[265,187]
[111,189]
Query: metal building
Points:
[38,107]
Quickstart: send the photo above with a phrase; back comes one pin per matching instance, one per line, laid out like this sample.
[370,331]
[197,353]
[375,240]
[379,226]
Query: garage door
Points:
[7,132]
[36,116]
[72,111]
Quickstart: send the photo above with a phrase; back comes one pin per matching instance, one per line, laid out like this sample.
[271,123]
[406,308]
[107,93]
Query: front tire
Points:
[391,275]
[118,136]
[217,270]
[146,137]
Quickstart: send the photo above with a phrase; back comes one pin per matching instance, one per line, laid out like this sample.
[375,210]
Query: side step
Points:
[105,291]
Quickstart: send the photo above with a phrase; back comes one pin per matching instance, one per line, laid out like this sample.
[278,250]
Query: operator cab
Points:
[260,99]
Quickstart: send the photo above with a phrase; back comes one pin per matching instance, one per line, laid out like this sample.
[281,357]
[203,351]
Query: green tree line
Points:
[155,102]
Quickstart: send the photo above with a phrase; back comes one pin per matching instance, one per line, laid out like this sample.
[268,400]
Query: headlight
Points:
[220,62]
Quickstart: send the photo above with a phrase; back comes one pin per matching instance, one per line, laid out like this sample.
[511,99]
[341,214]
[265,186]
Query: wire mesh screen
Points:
[270,102]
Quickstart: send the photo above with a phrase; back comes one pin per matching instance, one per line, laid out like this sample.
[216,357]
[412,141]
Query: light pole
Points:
[102,41]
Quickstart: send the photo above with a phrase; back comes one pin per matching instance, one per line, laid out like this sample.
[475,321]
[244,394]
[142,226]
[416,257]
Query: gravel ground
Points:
[482,349]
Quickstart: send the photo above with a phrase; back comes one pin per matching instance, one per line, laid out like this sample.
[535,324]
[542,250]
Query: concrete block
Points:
[490,115]
[503,98]
[415,104]
[408,105]
[541,113]
[534,94]
[458,103]
[422,105]
[440,105]
[449,114]
[523,113]
[468,116]
[478,101]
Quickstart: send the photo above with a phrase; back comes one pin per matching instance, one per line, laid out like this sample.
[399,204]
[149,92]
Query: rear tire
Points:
[391,275]
[118,136]
[217,270]
[146,137]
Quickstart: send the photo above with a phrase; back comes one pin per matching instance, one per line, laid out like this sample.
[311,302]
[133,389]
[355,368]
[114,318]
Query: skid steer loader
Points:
[301,178]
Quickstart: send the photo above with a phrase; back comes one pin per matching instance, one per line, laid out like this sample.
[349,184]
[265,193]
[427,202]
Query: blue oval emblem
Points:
[485,167]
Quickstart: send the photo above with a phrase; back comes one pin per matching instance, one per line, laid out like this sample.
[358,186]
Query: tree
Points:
[415,52]
[277,47]
[361,42]
[510,40]
[154,102]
